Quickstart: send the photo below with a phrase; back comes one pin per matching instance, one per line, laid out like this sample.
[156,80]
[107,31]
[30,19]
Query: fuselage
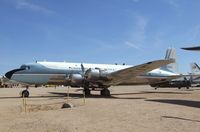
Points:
[42,73]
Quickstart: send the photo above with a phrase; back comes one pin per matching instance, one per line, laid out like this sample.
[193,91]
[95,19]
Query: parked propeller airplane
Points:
[179,81]
[88,76]
[195,69]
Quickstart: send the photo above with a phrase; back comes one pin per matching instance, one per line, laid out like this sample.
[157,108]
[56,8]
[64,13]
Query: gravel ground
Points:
[130,108]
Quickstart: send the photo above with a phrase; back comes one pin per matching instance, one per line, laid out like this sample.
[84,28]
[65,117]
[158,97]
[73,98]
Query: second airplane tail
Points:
[194,68]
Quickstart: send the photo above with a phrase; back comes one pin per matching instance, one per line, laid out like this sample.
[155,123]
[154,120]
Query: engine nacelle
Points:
[95,74]
[76,80]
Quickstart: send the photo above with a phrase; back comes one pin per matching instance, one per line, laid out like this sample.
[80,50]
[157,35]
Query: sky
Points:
[97,31]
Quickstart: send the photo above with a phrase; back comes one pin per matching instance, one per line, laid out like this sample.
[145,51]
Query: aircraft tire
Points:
[105,92]
[25,93]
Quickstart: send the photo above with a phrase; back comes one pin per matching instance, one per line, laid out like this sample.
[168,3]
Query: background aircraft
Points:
[174,83]
[179,81]
[196,48]
[191,80]
[195,70]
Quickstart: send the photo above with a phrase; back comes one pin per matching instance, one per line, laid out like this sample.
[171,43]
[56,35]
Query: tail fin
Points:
[194,68]
[171,55]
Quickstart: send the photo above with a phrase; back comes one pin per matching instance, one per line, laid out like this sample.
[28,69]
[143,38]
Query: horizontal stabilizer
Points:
[194,68]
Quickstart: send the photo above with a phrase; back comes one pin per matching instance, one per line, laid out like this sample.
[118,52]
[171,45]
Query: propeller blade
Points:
[82,68]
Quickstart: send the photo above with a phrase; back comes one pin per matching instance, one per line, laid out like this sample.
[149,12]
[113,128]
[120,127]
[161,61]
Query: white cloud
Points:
[25,4]
[138,33]
[173,3]
[141,23]
[132,45]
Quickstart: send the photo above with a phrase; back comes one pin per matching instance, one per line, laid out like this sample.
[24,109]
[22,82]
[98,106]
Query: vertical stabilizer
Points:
[194,68]
[171,54]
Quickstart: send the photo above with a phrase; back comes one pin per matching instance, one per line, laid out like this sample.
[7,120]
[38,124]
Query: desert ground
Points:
[129,109]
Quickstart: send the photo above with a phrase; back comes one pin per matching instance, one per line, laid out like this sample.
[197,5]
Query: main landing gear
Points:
[105,92]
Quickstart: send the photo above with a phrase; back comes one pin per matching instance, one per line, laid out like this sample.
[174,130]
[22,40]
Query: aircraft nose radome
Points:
[10,73]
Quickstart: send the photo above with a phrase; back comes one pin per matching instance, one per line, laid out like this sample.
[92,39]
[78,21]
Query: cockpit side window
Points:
[25,67]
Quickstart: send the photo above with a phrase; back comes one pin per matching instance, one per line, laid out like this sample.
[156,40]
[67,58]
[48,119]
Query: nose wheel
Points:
[105,92]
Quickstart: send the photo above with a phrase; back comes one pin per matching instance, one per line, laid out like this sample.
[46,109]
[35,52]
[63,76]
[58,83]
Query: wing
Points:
[129,73]
[192,48]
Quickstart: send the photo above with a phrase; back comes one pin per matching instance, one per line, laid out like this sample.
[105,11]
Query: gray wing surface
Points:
[130,73]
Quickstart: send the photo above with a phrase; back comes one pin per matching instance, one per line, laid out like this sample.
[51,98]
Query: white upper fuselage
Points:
[107,67]
[77,66]
[56,72]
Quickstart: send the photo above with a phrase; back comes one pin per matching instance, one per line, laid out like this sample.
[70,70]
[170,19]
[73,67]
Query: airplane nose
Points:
[10,73]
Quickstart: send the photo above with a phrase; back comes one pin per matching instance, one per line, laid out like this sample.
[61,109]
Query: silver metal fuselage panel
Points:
[43,73]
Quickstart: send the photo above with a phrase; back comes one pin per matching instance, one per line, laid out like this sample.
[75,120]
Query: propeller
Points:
[83,73]
[85,82]
[83,70]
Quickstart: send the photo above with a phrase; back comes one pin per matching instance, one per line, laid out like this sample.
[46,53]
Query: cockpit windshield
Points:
[25,67]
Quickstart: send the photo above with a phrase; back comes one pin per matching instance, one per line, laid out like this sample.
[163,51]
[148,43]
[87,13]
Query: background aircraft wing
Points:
[129,73]
[192,48]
